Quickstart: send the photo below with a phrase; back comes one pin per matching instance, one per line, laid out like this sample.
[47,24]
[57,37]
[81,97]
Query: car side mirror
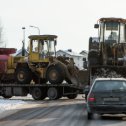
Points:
[96,26]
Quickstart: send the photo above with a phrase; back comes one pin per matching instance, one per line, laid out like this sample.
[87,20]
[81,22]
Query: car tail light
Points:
[91,98]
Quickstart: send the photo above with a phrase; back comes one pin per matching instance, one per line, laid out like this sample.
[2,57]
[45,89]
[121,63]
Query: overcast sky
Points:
[72,20]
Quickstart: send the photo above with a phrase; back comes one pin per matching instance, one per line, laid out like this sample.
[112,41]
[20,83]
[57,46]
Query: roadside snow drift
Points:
[9,104]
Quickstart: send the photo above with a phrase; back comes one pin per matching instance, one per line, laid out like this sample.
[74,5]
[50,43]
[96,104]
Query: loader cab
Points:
[42,47]
[112,31]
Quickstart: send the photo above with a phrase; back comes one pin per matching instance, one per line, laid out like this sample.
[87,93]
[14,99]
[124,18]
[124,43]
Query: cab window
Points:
[35,46]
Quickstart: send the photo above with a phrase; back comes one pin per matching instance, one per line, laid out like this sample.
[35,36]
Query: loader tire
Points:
[23,76]
[55,74]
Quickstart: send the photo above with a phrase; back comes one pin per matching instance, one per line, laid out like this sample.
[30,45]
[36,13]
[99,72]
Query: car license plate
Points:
[111,99]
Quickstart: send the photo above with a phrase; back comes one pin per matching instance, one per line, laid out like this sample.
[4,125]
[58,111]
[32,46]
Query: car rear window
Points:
[106,85]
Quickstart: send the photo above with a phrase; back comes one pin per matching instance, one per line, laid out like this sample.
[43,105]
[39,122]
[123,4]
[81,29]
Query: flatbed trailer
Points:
[41,91]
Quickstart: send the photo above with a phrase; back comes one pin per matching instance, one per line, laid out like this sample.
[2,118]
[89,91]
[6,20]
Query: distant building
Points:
[84,53]
[78,58]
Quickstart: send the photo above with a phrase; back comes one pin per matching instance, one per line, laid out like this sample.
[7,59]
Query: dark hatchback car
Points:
[107,96]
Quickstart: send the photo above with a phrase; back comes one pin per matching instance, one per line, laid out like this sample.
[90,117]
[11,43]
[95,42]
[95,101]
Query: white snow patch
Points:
[9,104]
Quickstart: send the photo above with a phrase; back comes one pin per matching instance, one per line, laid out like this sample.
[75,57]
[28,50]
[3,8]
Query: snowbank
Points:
[6,104]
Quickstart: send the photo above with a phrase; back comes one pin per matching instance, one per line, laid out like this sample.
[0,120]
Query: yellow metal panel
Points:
[34,57]
[10,62]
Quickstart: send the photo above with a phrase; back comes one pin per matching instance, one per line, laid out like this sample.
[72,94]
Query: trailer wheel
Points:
[55,74]
[23,76]
[53,93]
[6,97]
[38,93]
[72,96]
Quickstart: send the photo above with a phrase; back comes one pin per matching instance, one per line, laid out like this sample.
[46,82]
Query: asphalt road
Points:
[63,112]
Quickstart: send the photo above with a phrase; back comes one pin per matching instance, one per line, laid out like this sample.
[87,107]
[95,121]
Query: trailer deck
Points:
[41,91]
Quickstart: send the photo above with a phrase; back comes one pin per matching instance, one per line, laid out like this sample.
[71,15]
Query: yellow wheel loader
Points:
[42,65]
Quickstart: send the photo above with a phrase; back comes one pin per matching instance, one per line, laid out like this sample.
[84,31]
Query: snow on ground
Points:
[19,102]
[6,104]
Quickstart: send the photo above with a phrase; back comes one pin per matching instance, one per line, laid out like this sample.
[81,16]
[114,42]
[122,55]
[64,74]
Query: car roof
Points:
[97,79]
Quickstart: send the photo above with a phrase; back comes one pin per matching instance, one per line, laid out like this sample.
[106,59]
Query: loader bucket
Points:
[83,78]
[107,72]
[79,77]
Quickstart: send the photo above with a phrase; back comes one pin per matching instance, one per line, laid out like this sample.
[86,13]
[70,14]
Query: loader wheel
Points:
[55,74]
[53,93]
[72,96]
[38,93]
[23,76]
